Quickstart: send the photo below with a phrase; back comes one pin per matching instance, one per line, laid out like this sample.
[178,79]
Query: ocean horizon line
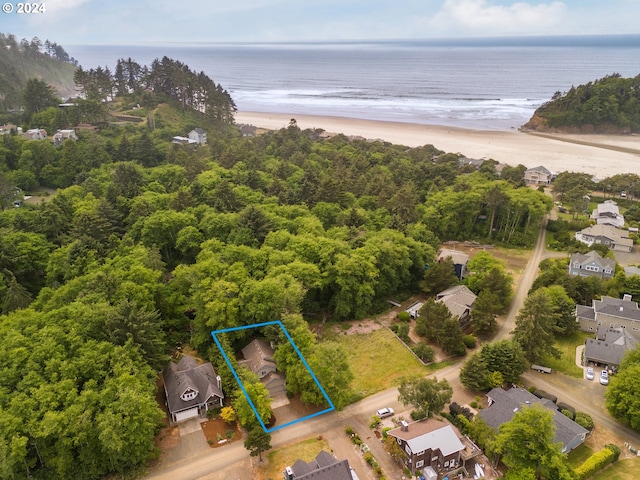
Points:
[587,40]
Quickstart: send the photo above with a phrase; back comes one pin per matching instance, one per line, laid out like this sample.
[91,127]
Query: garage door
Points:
[187,414]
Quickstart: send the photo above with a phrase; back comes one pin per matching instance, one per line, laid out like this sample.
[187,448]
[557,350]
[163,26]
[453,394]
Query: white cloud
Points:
[483,17]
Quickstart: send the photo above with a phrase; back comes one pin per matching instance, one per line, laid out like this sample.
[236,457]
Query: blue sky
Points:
[131,22]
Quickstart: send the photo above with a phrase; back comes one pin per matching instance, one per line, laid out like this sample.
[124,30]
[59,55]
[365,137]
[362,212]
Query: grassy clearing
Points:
[567,361]
[278,459]
[626,469]
[578,456]
[378,360]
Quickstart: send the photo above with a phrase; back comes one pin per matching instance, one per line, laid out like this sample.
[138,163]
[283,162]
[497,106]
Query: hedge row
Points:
[597,462]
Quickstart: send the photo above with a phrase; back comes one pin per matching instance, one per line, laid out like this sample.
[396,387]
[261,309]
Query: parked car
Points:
[604,377]
[589,374]
[385,412]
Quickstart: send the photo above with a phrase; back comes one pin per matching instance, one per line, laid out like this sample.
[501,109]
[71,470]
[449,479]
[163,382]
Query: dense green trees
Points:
[496,364]
[536,326]
[623,393]
[608,102]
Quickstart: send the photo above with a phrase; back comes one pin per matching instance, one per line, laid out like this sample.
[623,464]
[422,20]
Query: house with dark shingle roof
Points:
[591,264]
[258,357]
[503,405]
[611,313]
[608,347]
[324,467]
[191,389]
[459,300]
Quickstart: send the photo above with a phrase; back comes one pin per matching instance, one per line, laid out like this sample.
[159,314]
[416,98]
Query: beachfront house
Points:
[608,213]
[538,176]
[503,405]
[591,264]
[191,389]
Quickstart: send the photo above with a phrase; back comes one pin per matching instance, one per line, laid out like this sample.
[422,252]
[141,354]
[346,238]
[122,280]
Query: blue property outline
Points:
[304,362]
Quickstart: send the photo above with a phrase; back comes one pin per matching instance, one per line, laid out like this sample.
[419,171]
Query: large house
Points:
[591,264]
[538,176]
[324,467]
[607,213]
[459,259]
[608,347]
[606,235]
[459,300]
[191,389]
[432,443]
[611,313]
[198,135]
[258,357]
[503,405]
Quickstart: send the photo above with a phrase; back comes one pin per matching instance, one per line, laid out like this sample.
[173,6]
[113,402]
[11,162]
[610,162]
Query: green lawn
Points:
[578,456]
[305,450]
[379,360]
[626,469]
[567,361]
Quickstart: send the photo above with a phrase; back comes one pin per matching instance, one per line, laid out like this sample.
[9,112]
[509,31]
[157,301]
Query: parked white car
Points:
[589,375]
[604,377]
[385,412]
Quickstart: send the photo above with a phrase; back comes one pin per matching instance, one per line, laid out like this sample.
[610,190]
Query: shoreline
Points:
[599,155]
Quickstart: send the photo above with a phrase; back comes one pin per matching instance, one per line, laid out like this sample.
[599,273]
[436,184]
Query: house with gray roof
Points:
[191,389]
[608,347]
[503,405]
[608,213]
[607,235]
[611,313]
[198,135]
[459,259]
[591,264]
[459,300]
[258,357]
[324,467]
[431,443]
[538,175]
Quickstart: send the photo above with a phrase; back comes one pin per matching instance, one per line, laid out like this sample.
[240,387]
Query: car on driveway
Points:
[604,377]
[589,374]
[385,412]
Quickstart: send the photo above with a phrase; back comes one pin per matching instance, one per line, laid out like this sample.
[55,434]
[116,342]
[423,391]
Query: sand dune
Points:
[598,155]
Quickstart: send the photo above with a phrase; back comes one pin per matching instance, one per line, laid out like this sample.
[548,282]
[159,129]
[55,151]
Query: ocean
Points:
[491,84]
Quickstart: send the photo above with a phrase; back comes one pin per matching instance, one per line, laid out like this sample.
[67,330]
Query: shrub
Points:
[543,394]
[385,432]
[375,422]
[456,410]
[404,316]
[584,420]
[424,352]
[348,431]
[469,341]
[564,406]
[473,404]
[567,413]
[595,463]
[615,449]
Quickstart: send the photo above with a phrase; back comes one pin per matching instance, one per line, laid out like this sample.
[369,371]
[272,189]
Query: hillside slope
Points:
[20,62]
[608,105]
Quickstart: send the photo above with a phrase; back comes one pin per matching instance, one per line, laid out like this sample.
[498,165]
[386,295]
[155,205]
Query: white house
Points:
[198,135]
[61,135]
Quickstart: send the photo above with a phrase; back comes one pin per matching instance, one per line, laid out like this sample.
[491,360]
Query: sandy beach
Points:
[598,155]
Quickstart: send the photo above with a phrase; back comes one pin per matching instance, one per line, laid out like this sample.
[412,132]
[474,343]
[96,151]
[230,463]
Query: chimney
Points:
[404,426]
[621,308]
[219,380]
[288,473]
[626,297]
